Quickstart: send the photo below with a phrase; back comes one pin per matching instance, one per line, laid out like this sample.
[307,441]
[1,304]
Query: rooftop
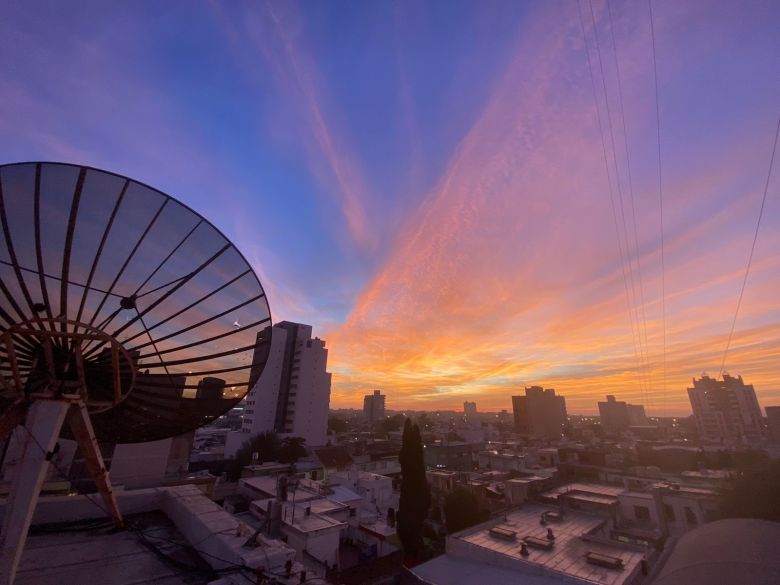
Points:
[59,554]
[589,488]
[296,517]
[337,457]
[573,541]
[378,528]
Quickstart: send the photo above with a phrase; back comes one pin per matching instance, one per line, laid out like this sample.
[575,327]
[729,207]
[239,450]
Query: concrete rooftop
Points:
[567,557]
[62,555]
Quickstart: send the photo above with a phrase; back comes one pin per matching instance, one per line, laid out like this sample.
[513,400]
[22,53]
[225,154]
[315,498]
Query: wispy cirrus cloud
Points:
[273,31]
[510,272]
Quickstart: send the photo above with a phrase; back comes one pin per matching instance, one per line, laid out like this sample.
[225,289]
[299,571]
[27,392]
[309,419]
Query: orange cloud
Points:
[509,273]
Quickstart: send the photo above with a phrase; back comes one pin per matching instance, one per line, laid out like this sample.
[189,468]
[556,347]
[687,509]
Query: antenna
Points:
[123,313]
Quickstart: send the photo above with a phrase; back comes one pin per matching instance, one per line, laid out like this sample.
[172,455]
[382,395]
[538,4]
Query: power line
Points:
[752,247]
[611,192]
[661,201]
[648,371]
[619,189]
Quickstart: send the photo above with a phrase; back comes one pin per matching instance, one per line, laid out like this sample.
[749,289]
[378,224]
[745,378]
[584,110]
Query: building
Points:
[210,389]
[455,455]
[637,416]
[470,408]
[501,460]
[518,547]
[773,417]
[292,394]
[374,406]
[540,412]
[317,517]
[725,410]
[617,416]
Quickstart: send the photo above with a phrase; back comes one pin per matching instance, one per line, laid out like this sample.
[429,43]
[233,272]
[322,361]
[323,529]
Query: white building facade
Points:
[292,395]
[726,410]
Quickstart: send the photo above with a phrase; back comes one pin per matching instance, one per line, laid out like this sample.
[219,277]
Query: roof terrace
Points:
[575,551]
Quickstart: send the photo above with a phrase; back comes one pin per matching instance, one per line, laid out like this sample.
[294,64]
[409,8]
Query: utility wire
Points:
[611,192]
[648,370]
[752,247]
[633,299]
[661,201]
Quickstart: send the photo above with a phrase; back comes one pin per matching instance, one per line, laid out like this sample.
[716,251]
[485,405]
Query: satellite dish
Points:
[123,313]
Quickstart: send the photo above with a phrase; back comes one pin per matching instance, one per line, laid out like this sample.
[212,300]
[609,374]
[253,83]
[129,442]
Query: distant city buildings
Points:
[617,415]
[374,406]
[725,410]
[292,394]
[540,412]
[470,408]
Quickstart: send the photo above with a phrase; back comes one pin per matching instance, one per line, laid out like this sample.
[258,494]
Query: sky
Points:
[463,198]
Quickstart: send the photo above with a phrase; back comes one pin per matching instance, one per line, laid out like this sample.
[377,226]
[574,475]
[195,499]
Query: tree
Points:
[266,445]
[391,424]
[415,496]
[337,424]
[753,493]
[461,510]
[424,422]
[291,450]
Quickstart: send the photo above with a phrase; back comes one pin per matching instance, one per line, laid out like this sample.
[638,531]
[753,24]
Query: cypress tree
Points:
[415,496]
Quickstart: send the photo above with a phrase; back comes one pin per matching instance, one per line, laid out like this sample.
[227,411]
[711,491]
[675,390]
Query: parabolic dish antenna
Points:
[124,317]
[125,290]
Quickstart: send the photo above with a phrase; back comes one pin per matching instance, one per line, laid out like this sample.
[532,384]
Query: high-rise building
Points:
[617,415]
[540,412]
[725,410]
[636,415]
[292,394]
[210,389]
[374,406]
[470,408]
[773,418]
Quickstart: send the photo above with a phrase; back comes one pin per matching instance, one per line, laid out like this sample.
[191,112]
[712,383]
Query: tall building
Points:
[210,389]
[636,415]
[773,418]
[470,408]
[725,410]
[617,415]
[292,394]
[374,406]
[540,412]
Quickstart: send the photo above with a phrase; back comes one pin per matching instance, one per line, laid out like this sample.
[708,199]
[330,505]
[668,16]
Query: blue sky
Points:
[425,182]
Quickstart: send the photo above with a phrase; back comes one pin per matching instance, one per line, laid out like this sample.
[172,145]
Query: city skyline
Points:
[426,186]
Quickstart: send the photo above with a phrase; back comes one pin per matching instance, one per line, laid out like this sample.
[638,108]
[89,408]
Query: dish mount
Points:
[125,317]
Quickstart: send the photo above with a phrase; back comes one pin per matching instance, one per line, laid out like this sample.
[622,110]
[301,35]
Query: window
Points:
[642,513]
[669,513]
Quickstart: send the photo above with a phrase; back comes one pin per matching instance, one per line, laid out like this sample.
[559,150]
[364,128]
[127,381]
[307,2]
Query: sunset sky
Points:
[433,186]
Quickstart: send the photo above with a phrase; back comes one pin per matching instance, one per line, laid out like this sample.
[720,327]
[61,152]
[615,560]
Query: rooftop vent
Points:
[603,560]
[503,533]
[540,543]
[553,516]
